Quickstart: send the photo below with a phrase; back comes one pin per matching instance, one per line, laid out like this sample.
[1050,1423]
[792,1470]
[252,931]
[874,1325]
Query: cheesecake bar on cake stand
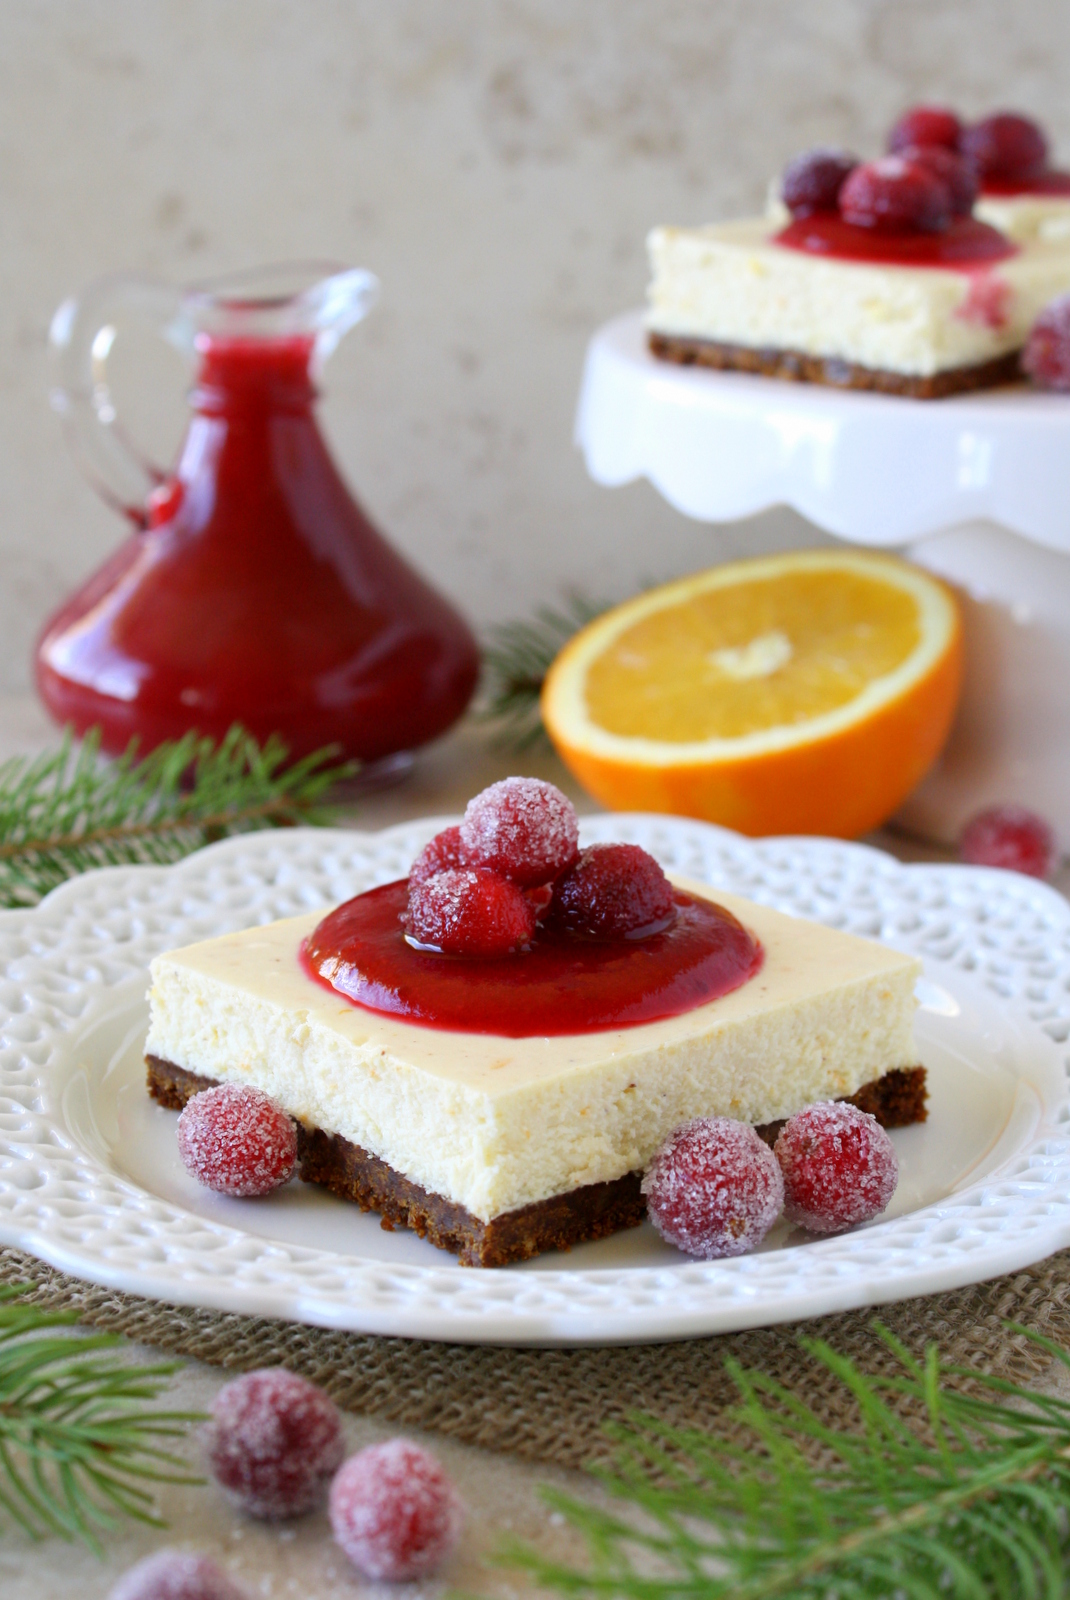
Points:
[971,486]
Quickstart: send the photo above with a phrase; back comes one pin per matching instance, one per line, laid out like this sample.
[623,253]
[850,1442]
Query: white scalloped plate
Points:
[723,445]
[90,1180]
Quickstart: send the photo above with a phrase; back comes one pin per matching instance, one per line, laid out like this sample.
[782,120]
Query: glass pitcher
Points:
[254,589]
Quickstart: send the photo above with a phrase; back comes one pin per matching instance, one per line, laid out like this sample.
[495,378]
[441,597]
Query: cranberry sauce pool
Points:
[965,243]
[561,984]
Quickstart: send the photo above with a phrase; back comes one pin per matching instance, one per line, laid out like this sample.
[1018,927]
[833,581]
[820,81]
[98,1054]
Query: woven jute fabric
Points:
[552,1405]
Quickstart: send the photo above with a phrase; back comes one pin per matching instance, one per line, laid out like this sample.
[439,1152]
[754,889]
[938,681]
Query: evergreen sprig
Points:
[517,658]
[941,1493]
[79,1444]
[66,811]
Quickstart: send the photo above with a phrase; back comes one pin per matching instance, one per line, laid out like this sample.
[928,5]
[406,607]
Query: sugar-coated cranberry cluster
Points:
[715,1188]
[1002,146]
[481,889]
[918,190]
[931,174]
[274,1443]
[1002,149]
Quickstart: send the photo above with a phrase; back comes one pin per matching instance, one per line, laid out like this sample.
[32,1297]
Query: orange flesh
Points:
[799,645]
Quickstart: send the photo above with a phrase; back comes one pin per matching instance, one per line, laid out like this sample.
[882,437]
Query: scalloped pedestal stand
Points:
[975,488]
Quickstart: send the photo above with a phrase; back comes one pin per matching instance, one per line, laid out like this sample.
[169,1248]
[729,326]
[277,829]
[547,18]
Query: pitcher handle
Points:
[82,334]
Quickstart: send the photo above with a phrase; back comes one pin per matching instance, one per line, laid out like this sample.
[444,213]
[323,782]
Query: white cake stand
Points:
[975,488]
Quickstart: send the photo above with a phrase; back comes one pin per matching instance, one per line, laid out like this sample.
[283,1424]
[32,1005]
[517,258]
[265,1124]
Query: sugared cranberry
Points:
[174,1575]
[895,196]
[812,182]
[954,172]
[523,828]
[839,1167]
[925,125]
[470,912]
[614,891]
[274,1442]
[1011,837]
[1005,146]
[1046,356]
[714,1189]
[441,854]
[394,1511]
[236,1140]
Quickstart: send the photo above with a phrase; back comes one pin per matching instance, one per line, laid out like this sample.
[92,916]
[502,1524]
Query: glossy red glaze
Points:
[560,984]
[257,591]
[963,244]
[1047,182]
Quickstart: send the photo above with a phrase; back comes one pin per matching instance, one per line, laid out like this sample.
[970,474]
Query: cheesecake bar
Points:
[497,1148]
[729,295]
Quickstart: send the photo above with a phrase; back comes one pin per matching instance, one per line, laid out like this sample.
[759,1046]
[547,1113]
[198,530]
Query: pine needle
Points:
[79,1446]
[517,659]
[939,1494]
[67,811]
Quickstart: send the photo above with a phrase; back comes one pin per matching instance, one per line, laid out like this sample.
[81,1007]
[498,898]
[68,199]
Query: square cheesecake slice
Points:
[498,1148]
[729,296]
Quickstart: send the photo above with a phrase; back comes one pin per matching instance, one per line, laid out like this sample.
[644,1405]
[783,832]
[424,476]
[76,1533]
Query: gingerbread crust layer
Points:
[797,367]
[591,1212]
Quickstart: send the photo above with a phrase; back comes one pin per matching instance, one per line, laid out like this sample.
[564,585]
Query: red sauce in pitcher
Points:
[256,590]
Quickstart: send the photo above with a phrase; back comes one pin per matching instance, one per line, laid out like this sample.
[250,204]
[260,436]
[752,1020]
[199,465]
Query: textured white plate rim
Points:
[59,961]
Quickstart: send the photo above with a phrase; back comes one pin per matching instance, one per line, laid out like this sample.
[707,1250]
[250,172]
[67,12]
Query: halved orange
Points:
[798,693]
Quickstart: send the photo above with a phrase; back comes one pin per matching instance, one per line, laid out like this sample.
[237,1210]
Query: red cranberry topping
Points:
[839,1167]
[174,1575]
[895,196]
[274,1442]
[440,854]
[714,1189]
[394,1511]
[236,1140]
[540,899]
[560,984]
[812,182]
[523,828]
[1011,837]
[1005,146]
[925,125]
[614,891]
[470,912]
[965,242]
[954,172]
[1046,356]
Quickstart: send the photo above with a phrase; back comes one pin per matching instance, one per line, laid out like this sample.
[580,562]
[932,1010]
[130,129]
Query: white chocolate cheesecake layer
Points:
[1027,216]
[494,1123]
[731,284]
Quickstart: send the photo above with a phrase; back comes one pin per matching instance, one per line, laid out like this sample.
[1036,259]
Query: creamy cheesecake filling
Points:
[493,1123]
[731,284]
[1027,216]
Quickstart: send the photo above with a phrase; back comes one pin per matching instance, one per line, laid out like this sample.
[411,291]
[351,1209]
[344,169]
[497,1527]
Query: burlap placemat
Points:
[551,1405]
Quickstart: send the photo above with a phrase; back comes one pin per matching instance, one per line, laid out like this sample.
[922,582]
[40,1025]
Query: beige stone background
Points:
[498,166]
